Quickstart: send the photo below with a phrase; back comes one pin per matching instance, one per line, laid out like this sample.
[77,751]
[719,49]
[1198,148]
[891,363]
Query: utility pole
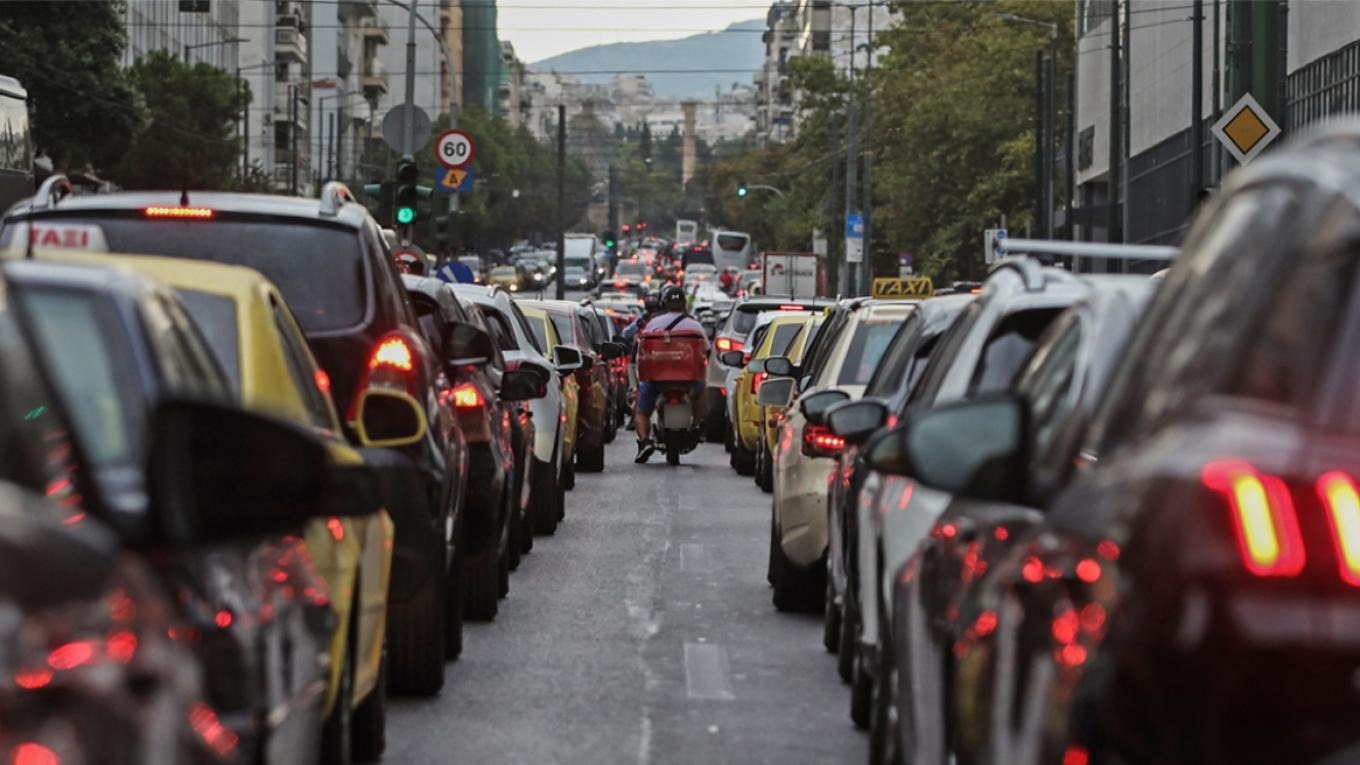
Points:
[561,201]
[866,268]
[1050,145]
[1216,151]
[851,160]
[613,199]
[292,133]
[1040,121]
[1070,166]
[1196,103]
[1112,217]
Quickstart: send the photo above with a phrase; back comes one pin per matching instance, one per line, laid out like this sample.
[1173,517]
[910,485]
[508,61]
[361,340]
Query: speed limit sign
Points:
[453,148]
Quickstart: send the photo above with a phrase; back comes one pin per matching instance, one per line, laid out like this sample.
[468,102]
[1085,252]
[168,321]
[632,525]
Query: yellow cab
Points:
[547,337]
[249,326]
[777,333]
[504,276]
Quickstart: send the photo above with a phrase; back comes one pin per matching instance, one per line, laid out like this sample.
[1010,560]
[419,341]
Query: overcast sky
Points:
[541,29]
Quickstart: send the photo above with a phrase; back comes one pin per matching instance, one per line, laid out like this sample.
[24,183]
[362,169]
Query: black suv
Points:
[334,267]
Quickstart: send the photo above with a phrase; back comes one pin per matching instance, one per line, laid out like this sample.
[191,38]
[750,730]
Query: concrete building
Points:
[200,31]
[510,96]
[432,84]
[348,82]
[773,98]
[481,56]
[276,63]
[1297,59]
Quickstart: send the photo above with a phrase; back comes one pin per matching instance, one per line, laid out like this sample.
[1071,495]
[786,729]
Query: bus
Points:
[733,249]
[16,144]
[686,231]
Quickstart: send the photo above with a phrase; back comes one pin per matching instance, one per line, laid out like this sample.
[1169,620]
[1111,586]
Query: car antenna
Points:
[28,247]
[184,196]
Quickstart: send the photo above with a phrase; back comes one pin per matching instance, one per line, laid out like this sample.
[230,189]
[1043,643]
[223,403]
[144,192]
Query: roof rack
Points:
[334,195]
[56,188]
[1098,250]
[1031,271]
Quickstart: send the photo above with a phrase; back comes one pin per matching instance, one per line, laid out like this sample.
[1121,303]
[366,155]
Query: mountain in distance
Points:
[730,51]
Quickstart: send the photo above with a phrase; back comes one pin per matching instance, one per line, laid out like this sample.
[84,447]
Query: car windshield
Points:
[215,316]
[866,348]
[631,268]
[320,269]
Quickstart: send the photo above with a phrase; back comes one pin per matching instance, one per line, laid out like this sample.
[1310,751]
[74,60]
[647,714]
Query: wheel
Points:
[861,692]
[831,620]
[795,589]
[611,425]
[503,578]
[742,460]
[715,423]
[883,749]
[591,460]
[415,632]
[672,441]
[517,547]
[765,469]
[368,739]
[672,457]
[455,597]
[481,577]
[337,733]
[569,473]
[845,655]
[543,510]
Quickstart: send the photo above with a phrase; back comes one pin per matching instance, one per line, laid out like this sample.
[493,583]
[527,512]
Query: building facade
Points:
[200,33]
[773,97]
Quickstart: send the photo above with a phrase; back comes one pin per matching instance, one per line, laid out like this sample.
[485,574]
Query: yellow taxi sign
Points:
[909,287]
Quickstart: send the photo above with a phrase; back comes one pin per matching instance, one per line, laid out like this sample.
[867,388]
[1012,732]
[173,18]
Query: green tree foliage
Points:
[68,55]
[189,141]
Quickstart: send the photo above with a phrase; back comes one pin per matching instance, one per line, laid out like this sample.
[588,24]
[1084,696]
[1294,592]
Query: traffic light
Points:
[406,192]
[626,229]
[382,193]
[742,190]
[442,230]
[608,238]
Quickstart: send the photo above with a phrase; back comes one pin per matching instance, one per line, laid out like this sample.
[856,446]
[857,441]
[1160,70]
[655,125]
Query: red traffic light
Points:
[626,228]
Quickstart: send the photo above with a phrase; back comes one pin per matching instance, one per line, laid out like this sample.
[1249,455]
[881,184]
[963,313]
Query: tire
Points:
[611,425]
[861,693]
[591,460]
[481,577]
[795,589]
[515,548]
[765,469]
[672,457]
[543,503]
[742,460]
[831,620]
[672,444]
[415,641]
[845,655]
[569,472]
[503,579]
[715,423]
[455,597]
[883,749]
[338,731]
[368,739]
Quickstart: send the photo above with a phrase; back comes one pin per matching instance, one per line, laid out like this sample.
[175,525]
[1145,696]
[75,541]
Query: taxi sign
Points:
[909,287]
[66,236]
[1246,129]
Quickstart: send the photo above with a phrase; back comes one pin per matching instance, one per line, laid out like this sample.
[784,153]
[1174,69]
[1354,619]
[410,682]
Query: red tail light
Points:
[792,307]
[393,353]
[193,213]
[728,344]
[1342,503]
[466,396]
[819,441]
[756,379]
[30,753]
[1263,516]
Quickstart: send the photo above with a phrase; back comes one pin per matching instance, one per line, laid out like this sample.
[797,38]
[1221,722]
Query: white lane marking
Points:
[706,672]
[694,559]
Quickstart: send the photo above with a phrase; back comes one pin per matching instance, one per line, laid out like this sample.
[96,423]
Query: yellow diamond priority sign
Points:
[1245,129]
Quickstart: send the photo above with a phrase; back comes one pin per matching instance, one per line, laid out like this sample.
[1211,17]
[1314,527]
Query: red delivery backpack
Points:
[672,355]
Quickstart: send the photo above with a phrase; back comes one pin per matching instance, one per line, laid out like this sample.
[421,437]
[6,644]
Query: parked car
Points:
[120,351]
[595,419]
[1060,385]
[604,334]
[980,354]
[846,354]
[333,265]
[777,333]
[546,335]
[507,277]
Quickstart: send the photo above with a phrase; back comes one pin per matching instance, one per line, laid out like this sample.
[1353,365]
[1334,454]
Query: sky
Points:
[541,29]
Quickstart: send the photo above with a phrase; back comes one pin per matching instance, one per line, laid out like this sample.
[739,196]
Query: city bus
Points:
[16,144]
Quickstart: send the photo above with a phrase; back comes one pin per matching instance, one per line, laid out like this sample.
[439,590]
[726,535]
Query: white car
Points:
[845,355]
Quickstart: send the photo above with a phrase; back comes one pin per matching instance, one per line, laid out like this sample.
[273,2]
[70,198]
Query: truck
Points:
[795,274]
[686,231]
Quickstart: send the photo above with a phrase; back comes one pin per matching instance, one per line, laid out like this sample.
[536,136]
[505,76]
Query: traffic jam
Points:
[279,486]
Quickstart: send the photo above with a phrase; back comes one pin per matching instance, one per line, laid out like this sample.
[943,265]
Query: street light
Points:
[1045,148]
[196,46]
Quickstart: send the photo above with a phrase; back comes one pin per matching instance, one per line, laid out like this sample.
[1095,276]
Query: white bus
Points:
[686,231]
[733,249]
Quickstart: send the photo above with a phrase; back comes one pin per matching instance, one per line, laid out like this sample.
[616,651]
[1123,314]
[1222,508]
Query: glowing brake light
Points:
[194,213]
[819,441]
[30,753]
[466,396]
[393,352]
[1263,516]
[791,307]
[728,344]
[1342,502]
[756,379]
[322,380]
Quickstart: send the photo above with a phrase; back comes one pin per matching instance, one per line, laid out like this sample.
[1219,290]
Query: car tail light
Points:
[190,213]
[791,307]
[1263,516]
[819,441]
[30,753]
[466,396]
[728,344]
[756,379]
[1342,503]
[393,353]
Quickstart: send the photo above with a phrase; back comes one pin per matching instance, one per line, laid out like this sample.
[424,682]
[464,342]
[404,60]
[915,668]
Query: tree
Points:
[190,139]
[68,55]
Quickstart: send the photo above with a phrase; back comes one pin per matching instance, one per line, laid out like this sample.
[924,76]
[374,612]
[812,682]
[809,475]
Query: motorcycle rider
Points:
[673,317]
[650,305]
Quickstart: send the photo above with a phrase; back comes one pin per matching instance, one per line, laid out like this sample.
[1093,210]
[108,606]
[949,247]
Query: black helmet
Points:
[673,298]
[651,303]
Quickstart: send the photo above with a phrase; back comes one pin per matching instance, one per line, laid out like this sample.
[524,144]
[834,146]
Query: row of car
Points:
[254,477]
[1081,519]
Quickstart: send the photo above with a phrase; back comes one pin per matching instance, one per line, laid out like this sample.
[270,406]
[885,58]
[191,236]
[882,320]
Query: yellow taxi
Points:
[504,276]
[546,333]
[782,335]
[262,350]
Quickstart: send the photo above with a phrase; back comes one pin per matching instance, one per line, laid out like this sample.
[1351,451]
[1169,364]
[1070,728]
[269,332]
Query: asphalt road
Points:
[642,632]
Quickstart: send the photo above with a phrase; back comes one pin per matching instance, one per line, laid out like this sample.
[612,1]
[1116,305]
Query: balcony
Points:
[290,45]
[374,81]
[375,29]
[283,103]
[354,10]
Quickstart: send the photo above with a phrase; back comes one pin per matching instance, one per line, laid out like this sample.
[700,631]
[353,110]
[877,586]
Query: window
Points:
[1046,383]
[215,316]
[186,364]
[500,330]
[871,339]
[947,350]
[783,338]
[539,326]
[896,358]
[81,355]
[302,368]
[1009,346]
[563,324]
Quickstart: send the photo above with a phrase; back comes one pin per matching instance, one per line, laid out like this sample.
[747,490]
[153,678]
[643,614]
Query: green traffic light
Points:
[741,190]
[406,214]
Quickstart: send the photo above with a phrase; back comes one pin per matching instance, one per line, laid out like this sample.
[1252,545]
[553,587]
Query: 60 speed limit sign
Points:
[453,148]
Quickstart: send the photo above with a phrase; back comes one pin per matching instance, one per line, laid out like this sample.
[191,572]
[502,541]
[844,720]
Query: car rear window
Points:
[871,339]
[215,316]
[538,326]
[320,269]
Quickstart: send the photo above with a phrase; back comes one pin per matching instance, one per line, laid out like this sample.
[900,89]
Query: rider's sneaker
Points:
[645,450]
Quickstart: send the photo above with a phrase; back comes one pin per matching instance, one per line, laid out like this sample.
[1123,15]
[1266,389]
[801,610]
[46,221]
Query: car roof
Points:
[105,275]
[348,213]
[764,303]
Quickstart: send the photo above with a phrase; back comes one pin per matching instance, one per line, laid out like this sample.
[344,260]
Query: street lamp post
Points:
[1045,131]
[196,46]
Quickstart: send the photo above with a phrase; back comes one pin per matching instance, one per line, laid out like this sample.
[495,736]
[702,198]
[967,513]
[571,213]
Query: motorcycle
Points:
[673,422]
[673,360]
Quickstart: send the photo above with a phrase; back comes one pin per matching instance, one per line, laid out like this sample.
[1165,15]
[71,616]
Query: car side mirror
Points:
[969,448]
[218,473]
[522,385]
[731,358]
[855,421]
[814,407]
[389,418]
[467,344]
[804,383]
[779,366]
[587,362]
[612,350]
[775,392]
[537,368]
[567,358]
